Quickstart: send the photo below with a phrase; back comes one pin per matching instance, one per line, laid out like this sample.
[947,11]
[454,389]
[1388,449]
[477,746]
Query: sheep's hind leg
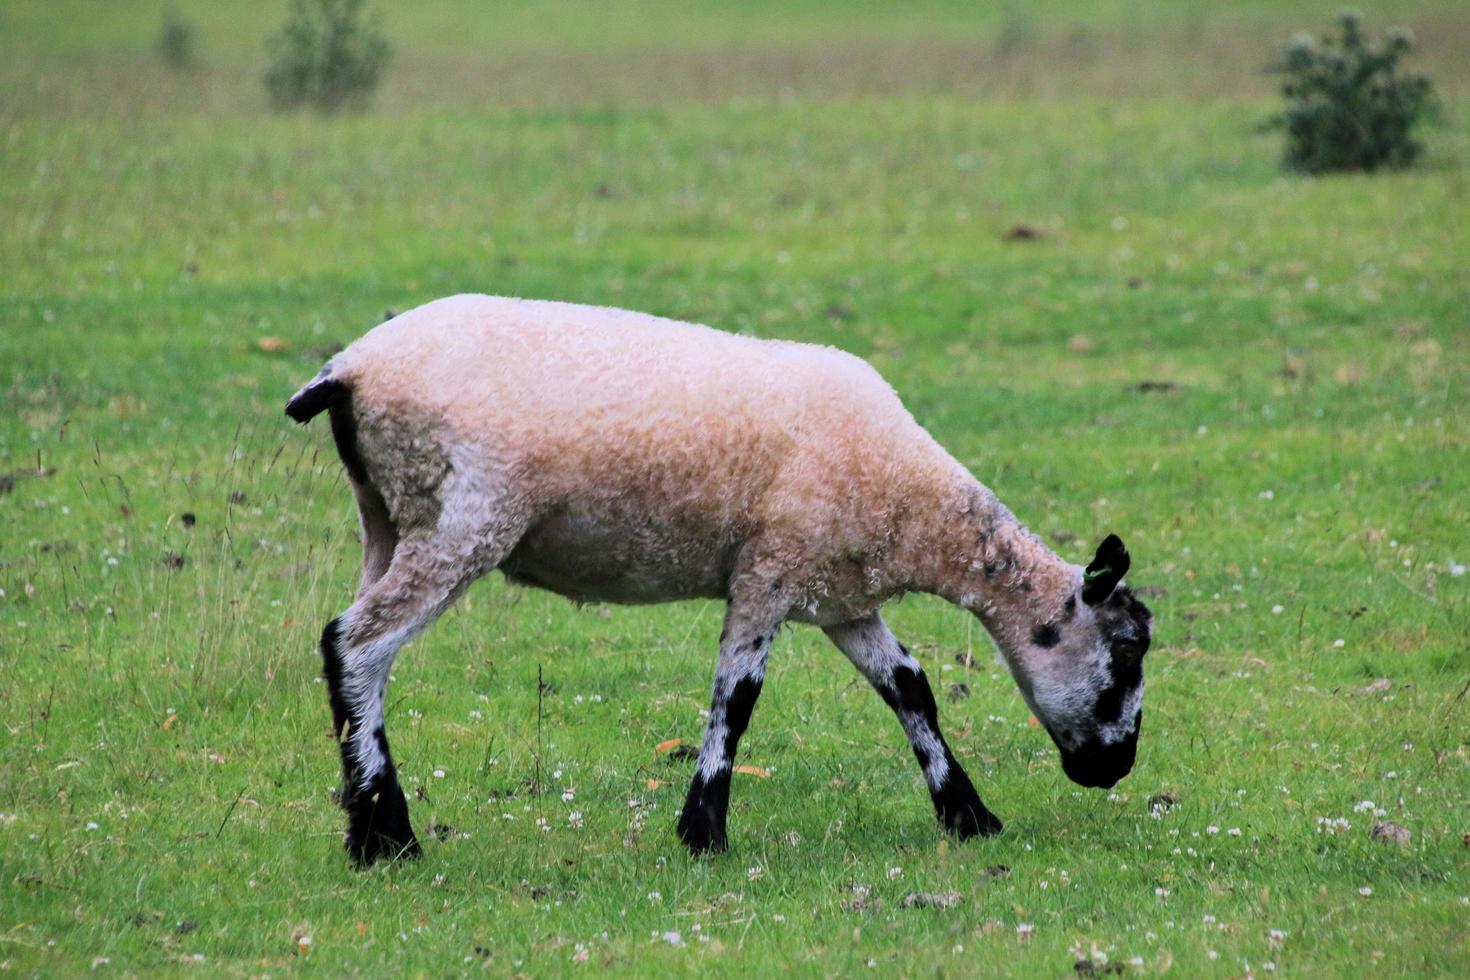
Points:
[745,643]
[427,572]
[899,679]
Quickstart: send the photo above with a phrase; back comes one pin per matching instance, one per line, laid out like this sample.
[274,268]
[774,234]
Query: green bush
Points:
[176,40]
[1348,106]
[326,56]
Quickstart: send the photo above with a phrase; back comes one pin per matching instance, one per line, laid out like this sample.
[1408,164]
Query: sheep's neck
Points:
[982,559]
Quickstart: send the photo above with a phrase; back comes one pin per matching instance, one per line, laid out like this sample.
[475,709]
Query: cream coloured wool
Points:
[615,456]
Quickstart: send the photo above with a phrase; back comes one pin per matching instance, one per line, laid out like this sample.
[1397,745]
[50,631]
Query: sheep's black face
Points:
[1085,672]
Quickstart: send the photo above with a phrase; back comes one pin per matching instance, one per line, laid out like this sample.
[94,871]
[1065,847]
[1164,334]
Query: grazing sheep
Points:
[619,457]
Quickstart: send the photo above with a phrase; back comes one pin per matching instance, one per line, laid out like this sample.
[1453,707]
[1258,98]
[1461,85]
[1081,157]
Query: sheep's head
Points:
[1082,671]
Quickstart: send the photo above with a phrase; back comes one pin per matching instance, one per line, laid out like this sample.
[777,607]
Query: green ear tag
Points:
[1088,576]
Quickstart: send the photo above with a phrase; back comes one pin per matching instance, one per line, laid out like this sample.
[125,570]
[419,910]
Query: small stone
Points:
[926,900]
[1162,802]
[1390,833]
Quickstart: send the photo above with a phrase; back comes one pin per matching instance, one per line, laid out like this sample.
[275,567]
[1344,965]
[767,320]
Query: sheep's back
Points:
[597,401]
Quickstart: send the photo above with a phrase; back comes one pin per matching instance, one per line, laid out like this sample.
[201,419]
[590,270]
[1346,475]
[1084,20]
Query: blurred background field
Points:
[1056,228]
[75,57]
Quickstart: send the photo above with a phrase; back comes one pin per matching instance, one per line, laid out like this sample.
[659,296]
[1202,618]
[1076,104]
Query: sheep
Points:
[613,456]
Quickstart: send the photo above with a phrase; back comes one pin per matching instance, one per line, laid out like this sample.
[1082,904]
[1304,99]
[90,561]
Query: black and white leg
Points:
[897,676]
[744,645]
[358,649]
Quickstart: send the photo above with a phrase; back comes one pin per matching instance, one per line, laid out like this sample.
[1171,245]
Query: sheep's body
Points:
[641,454]
[614,456]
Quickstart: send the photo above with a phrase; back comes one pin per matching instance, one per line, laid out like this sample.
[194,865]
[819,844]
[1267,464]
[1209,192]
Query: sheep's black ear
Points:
[1108,567]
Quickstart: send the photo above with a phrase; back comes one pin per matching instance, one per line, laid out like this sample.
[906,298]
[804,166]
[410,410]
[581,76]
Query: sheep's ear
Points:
[1107,569]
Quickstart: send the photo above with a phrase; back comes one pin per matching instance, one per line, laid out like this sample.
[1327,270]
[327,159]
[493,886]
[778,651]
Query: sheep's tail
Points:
[328,391]
[319,394]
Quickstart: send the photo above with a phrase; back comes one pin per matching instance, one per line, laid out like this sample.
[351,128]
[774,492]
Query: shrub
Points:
[176,40]
[325,56]
[1348,106]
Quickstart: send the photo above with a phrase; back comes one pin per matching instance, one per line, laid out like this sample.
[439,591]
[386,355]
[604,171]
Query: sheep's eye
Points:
[1130,648]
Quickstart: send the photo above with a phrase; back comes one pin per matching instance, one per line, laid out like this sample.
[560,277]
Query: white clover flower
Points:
[1365,891]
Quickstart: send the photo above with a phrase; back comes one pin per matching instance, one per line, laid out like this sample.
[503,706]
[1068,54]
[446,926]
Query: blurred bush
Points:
[176,39]
[326,56]
[1348,105]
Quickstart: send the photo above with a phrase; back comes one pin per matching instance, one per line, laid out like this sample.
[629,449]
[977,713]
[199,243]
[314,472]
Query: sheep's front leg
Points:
[744,645]
[899,679]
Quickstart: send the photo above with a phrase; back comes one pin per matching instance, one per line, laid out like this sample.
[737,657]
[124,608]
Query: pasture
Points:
[1055,228]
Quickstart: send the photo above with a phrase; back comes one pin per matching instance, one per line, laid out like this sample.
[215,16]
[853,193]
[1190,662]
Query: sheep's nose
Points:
[1100,766]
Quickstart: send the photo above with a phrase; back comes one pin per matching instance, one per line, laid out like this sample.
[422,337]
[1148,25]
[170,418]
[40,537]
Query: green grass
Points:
[167,766]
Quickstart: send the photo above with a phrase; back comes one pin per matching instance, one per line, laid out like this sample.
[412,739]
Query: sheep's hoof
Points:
[377,845]
[700,834]
[378,827]
[973,824]
[959,809]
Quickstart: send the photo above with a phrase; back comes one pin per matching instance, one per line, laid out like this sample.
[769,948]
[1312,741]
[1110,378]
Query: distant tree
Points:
[326,57]
[176,37]
[1348,105]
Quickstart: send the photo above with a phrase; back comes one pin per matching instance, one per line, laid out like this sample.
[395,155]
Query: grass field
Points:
[1258,380]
